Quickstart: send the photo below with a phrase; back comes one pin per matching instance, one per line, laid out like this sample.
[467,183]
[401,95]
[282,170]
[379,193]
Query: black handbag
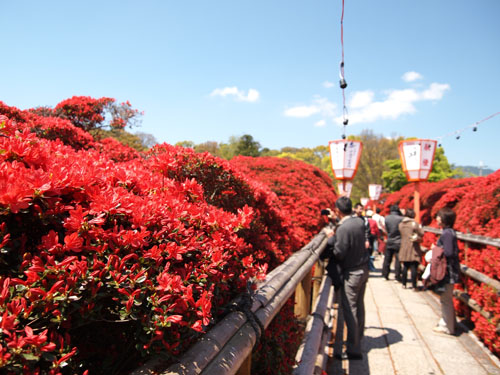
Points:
[335,272]
[439,288]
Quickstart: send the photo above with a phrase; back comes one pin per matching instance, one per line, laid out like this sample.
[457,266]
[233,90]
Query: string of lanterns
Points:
[458,133]
[417,156]
[343,82]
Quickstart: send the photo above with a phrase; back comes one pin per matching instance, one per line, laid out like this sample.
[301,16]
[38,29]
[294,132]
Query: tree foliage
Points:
[245,145]
[379,163]
[89,114]
[147,140]
[376,150]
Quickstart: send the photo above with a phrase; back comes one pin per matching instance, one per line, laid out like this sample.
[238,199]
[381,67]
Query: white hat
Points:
[369,213]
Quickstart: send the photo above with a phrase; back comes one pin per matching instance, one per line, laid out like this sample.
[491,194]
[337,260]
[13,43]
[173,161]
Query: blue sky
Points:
[208,70]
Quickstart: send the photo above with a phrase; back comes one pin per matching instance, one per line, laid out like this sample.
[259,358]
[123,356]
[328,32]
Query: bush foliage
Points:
[110,255]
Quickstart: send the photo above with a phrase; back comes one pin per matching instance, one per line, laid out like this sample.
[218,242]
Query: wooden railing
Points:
[226,348]
[472,273]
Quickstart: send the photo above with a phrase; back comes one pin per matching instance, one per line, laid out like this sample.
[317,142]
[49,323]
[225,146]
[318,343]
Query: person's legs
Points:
[397,266]
[354,285]
[447,309]
[339,331]
[413,269]
[404,277]
[386,268]
[361,304]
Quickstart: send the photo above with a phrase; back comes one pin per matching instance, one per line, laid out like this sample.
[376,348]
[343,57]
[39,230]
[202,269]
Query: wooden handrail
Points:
[223,349]
[315,330]
[468,237]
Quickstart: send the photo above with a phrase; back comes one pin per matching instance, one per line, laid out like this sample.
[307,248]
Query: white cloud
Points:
[320,123]
[396,103]
[239,95]
[412,76]
[320,105]
[361,99]
[328,84]
[435,91]
[302,111]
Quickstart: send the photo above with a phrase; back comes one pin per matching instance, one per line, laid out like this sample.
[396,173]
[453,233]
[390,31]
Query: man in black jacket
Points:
[351,255]
[393,243]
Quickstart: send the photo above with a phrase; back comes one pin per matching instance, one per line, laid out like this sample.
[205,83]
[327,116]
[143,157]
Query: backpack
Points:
[374,231]
[438,265]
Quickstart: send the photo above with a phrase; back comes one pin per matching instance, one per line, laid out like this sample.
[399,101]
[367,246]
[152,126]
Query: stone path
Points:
[399,339]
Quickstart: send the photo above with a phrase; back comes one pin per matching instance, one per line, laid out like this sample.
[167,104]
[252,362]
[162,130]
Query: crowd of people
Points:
[356,236]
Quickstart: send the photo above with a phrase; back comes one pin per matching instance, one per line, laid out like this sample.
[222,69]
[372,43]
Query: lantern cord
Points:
[457,133]
[343,83]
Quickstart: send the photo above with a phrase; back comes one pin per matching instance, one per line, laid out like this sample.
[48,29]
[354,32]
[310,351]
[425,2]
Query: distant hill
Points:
[475,171]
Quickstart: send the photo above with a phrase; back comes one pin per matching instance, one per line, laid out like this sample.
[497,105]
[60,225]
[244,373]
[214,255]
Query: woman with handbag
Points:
[448,242]
[409,253]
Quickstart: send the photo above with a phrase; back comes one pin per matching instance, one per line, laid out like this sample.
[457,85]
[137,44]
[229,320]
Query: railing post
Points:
[303,298]
[319,270]
[246,366]
[466,289]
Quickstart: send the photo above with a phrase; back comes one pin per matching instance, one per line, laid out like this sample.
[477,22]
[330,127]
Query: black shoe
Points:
[354,356]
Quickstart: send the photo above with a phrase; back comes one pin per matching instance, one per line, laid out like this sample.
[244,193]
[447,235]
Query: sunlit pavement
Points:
[399,338]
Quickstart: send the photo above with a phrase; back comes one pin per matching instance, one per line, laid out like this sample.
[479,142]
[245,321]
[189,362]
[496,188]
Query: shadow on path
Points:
[390,337]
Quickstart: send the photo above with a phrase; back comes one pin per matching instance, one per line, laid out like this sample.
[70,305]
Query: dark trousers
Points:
[352,303]
[386,268]
[413,269]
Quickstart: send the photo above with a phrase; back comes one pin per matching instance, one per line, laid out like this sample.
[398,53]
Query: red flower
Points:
[73,242]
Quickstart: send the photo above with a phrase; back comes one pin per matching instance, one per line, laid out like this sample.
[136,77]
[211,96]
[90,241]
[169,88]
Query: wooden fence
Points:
[226,349]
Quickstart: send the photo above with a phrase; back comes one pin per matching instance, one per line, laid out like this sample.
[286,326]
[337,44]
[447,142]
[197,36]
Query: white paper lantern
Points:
[344,156]
[417,157]
[374,191]
[344,188]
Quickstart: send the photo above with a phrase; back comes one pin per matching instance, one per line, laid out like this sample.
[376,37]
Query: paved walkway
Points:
[399,337]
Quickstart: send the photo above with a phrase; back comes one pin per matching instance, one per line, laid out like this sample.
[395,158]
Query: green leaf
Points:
[30,357]
[141,279]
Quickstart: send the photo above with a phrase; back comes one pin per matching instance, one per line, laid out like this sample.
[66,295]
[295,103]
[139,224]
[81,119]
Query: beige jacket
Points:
[411,235]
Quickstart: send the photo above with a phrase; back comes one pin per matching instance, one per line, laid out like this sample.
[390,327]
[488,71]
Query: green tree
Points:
[376,150]
[228,150]
[209,146]
[123,136]
[318,156]
[147,140]
[247,146]
[187,144]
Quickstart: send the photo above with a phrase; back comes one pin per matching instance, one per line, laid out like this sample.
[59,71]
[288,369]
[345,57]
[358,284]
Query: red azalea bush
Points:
[109,255]
[477,204]
[281,341]
[116,151]
[99,255]
[303,189]
[48,126]
[270,234]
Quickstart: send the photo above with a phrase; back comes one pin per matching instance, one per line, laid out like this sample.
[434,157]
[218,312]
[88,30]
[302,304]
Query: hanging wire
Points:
[343,82]
[458,133]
